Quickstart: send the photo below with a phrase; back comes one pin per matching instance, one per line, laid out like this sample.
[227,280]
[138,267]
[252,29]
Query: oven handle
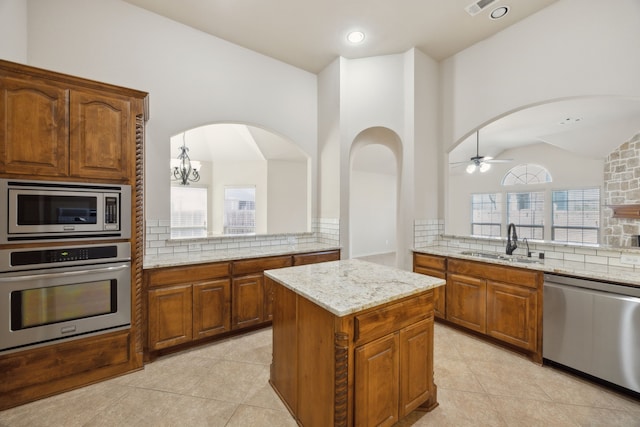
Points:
[41,276]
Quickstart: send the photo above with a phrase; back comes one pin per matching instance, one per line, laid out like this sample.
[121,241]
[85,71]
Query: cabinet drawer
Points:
[187,274]
[315,257]
[382,321]
[258,265]
[515,275]
[429,261]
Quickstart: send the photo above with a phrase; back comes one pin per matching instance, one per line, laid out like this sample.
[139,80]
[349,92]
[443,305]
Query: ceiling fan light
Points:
[471,168]
[485,167]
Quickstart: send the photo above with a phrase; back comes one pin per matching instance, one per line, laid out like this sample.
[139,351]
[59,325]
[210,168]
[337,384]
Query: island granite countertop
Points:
[349,286]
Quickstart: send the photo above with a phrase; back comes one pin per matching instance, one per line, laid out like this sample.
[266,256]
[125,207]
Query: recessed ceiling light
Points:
[355,37]
[499,12]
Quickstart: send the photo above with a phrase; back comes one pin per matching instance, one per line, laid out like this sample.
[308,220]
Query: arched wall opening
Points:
[374,187]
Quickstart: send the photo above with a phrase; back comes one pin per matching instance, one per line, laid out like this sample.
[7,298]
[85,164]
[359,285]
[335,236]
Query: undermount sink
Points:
[502,257]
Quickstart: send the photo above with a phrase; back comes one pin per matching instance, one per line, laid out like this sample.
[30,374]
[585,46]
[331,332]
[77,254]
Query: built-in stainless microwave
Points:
[33,211]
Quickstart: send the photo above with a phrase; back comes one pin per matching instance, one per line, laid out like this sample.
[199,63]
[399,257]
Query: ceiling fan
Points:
[478,162]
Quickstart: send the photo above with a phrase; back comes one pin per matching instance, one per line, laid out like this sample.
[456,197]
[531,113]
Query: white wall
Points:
[567,171]
[13,30]
[287,196]
[571,48]
[373,213]
[192,77]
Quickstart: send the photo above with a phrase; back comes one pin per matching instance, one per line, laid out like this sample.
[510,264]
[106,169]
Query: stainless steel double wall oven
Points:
[53,285]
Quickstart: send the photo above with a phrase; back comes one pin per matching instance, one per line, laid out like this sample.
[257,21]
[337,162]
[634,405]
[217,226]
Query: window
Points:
[486,214]
[188,211]
[239,210]
[526,211]
[576,215]
[526,174]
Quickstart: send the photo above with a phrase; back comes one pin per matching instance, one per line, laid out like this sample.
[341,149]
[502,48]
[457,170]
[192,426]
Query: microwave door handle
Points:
[23,278]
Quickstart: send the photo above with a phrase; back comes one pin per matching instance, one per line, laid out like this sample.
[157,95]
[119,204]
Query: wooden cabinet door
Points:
[466,301]
[416,365]
[268,300]
[248,301]
[211,308]
[377,382]
[316,257]
[34,128]
[101,136]
[512,314]
[439,293]
[170,321]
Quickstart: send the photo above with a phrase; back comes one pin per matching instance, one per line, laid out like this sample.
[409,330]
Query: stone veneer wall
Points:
[621,186]
[158,238]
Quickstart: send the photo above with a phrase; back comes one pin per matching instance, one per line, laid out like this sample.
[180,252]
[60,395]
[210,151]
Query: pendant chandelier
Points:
[185,170]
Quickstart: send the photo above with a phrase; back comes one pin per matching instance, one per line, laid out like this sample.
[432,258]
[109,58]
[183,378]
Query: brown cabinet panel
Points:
[433,262]
[466,301]
[439,293]
[416,342]
[512,314]
[258,265]
[248,301]
[211,308]
[34,128]
[377,382]
[50,363]
[382,321]
[170,321]
[99,140]
[186,274]
[316,257]
[518,276]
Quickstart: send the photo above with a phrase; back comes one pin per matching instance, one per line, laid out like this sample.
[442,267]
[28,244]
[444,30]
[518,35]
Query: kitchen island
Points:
[352,342]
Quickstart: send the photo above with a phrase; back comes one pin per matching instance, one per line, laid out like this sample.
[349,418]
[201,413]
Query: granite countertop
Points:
[623,275]
[202,257]
[348,286]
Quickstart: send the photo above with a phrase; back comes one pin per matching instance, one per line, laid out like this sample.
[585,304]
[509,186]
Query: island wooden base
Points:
[372,367]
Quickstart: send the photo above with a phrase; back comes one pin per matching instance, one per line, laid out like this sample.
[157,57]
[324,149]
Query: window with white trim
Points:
[188,211]
[486,214]
[576,215]
[526,174]
[526,211]
[240,210]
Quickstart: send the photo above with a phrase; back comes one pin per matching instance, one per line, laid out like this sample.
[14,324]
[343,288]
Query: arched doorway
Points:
[373,195]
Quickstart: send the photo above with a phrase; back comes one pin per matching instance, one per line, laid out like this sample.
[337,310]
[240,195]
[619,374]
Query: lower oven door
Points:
[45,306]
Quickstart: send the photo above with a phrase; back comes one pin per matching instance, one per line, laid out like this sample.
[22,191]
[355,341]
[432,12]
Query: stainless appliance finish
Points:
[593,327]
[38,211]
[62,293]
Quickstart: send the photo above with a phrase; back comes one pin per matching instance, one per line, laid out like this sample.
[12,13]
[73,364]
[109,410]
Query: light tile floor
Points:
[225,384]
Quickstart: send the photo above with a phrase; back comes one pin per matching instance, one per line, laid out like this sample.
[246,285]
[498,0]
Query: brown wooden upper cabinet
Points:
[52,130]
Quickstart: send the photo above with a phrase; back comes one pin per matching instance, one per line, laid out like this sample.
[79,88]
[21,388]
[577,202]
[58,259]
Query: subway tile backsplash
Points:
[431,233]
[158,238]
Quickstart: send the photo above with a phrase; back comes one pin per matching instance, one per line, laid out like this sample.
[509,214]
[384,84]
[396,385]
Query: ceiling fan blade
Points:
[498,160]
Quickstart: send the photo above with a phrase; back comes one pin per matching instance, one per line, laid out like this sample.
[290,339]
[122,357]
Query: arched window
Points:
[526,174]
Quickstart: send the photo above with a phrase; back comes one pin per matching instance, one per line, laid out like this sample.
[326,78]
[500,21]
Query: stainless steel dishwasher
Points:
[593,327]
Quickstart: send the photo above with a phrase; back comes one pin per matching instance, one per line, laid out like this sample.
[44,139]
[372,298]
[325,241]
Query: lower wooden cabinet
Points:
[435,266]
[502,302]
[192,302]
[369,368]
[248,301]
[512,314]
[467,302]
[211,305]
[170,321]
[377,378]
[392,375]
